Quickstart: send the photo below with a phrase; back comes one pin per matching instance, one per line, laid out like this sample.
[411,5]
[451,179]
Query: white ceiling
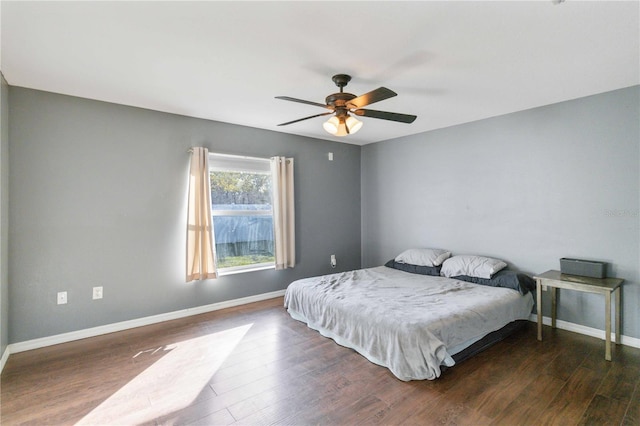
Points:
[449,62]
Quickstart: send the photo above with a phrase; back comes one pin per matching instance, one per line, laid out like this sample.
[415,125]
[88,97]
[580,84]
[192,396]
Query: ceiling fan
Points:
[345,105]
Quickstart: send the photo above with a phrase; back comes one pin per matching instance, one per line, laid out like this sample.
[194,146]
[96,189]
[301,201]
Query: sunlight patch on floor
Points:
[171,383]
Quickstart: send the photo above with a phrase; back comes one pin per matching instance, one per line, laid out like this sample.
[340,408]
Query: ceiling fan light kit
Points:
[341,126]
[343,104]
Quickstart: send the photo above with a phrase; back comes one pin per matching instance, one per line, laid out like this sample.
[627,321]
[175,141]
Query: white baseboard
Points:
[125,325]
[588,331]
[4,358]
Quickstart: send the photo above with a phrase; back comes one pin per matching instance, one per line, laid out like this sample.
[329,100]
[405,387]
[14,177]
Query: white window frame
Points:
[236,163]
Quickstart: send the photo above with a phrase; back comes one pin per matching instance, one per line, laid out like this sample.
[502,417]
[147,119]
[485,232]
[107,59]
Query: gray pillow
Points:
[507,279]
[414,269]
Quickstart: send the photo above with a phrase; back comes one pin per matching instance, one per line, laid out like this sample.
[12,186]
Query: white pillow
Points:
[423,257]
[473,266]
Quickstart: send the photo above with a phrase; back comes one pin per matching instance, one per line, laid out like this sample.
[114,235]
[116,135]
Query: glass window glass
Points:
[242,219]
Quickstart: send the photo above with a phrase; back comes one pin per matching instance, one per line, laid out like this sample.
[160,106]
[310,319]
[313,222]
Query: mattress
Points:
[412,324]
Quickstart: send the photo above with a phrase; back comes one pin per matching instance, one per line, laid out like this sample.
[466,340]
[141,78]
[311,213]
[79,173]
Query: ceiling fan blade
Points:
[392,116]
[306,118]
[302,101]
[380,94]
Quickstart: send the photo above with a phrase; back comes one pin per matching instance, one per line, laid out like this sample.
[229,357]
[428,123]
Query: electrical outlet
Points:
[333,261]
[62,297]
[97,293]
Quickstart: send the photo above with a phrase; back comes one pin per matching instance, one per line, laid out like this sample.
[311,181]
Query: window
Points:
[241,207]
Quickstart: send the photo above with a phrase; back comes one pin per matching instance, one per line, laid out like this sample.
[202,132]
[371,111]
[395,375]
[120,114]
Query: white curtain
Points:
[283,212]
[200,242]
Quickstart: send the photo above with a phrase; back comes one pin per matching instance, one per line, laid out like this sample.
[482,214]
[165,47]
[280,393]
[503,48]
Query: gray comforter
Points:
[405,322]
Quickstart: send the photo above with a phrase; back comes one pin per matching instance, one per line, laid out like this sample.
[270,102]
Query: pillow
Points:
[507,279]
[423,257]
[473,266]
[414,269]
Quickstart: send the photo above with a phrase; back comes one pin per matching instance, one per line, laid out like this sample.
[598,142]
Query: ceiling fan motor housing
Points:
[338,100]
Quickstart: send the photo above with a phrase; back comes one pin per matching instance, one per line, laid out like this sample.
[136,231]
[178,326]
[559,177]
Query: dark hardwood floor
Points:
[253,364]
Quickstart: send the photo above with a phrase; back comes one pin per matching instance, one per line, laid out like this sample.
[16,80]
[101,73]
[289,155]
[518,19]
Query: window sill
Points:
[239,270]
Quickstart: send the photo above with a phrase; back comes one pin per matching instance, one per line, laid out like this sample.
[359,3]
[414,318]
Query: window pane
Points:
[252,191]
[243,240]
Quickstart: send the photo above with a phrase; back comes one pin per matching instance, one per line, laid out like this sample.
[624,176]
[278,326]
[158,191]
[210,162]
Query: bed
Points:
[413,323]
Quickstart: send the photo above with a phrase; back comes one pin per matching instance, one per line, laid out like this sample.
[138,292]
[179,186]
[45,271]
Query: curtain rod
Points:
[190,151]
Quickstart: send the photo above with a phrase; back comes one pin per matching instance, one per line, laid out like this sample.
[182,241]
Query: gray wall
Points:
[528,187]
[4,215]
[98,197]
